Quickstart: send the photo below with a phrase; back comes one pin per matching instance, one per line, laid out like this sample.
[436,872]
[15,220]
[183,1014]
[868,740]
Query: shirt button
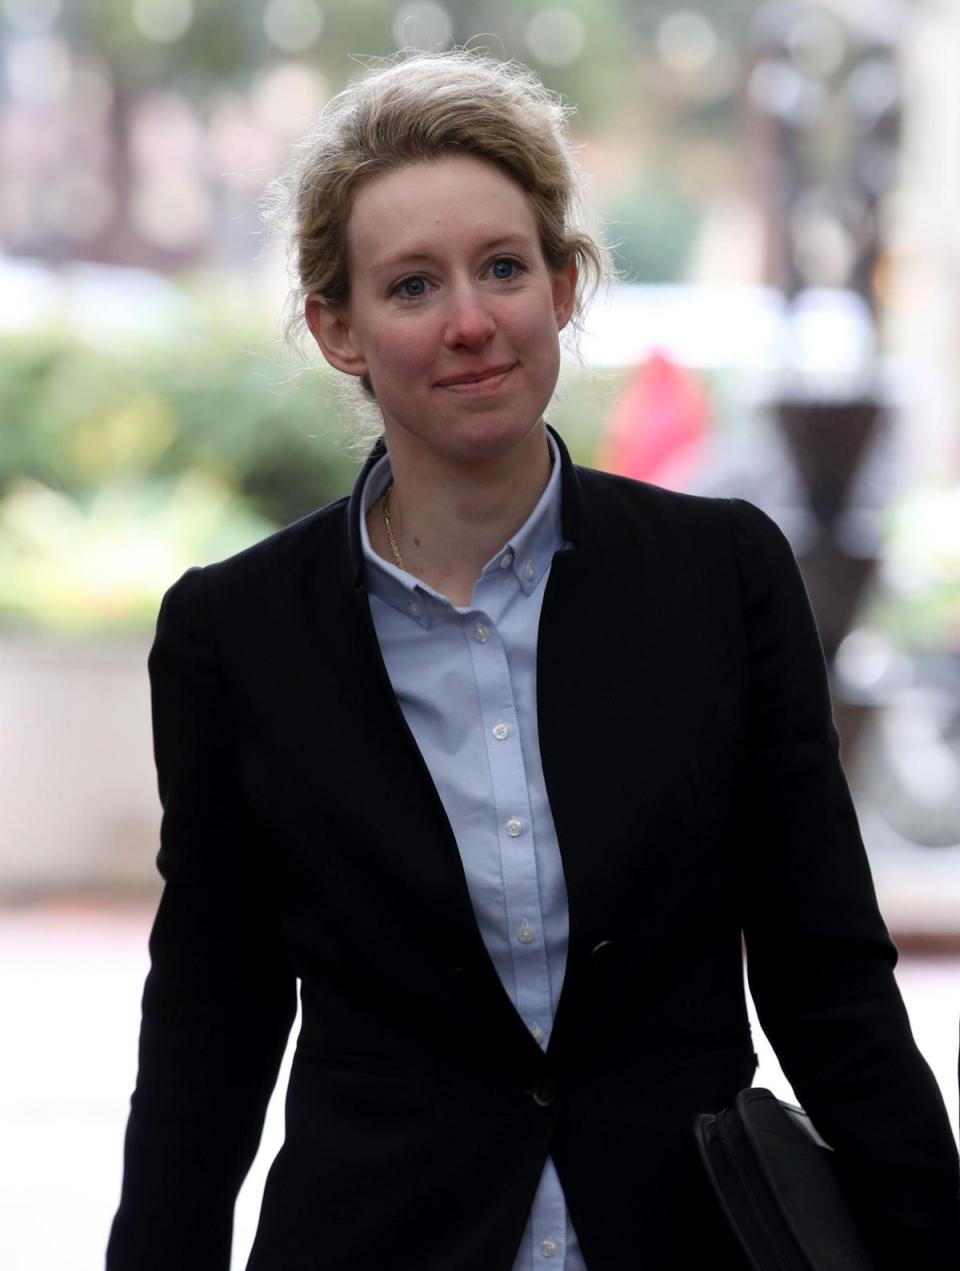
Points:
[529,571]
[525,932]
[481,634]
[514,827]
[506,560]
[536,1032]
[414,608]
[501,732]
[548,1247]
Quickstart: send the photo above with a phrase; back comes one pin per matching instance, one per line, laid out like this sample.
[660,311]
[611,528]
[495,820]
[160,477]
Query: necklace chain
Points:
[390,534]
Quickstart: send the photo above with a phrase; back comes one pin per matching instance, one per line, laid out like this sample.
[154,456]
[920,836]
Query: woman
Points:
[499,757]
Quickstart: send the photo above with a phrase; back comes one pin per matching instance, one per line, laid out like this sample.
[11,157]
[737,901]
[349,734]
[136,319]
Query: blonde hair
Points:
[416,108]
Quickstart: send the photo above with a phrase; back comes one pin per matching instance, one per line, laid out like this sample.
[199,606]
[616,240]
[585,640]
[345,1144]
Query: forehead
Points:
[417,209]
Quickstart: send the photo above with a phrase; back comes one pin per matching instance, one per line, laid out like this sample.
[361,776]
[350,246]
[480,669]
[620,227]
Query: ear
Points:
[330,327]
[564,284]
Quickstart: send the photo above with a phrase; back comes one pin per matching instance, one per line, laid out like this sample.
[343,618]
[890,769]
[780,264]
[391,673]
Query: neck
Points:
[449,518]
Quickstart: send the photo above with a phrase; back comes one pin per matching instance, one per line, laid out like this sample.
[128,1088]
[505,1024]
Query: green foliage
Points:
[76,567]
[76,418]
[225,42]
[653,228]
[119,469]
[581,405]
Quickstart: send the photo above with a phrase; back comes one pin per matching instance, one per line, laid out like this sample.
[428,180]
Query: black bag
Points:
[776,1184]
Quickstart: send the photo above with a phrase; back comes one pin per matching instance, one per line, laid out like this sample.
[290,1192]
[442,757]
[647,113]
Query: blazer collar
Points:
[573,513]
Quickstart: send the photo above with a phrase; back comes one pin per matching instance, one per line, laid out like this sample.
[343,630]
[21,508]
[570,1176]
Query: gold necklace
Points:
[390,534]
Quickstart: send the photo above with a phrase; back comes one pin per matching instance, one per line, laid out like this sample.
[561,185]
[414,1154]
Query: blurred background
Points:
[780,185]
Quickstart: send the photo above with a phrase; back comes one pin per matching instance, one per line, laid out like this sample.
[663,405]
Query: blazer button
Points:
[603,956]
[546,1091]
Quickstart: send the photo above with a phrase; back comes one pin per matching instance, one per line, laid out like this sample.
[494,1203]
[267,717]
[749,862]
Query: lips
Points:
[474,377]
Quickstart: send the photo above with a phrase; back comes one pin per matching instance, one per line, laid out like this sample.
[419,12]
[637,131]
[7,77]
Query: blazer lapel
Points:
[408,791]
[616,767]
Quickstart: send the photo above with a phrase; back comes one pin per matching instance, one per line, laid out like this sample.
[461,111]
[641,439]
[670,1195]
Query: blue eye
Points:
[412,288]
[504,268]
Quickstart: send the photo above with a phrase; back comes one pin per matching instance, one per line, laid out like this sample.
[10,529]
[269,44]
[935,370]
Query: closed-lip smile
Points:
[474,377]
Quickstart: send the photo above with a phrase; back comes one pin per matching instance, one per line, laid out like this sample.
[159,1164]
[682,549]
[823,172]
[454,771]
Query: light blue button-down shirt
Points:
[466,682]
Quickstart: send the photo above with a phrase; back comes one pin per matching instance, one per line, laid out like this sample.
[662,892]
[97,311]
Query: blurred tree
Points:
[653,227]
[78,419]
[130,87]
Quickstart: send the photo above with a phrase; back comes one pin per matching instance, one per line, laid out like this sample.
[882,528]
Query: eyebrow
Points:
[421,255]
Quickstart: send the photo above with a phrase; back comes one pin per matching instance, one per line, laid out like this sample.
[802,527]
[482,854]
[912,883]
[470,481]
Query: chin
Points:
[466,436]
[488,438]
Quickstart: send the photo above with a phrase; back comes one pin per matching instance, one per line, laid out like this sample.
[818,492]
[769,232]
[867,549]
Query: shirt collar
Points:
[526,554]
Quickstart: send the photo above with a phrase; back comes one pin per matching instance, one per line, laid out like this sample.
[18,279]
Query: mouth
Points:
[477,381]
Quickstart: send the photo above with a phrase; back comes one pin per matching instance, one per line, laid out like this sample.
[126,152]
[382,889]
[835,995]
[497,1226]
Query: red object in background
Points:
[657,428]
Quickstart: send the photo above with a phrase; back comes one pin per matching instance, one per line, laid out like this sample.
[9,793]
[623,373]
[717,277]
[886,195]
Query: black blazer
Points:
[691,764]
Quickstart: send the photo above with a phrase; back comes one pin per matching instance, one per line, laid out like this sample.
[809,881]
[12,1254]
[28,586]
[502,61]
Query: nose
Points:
[470,323]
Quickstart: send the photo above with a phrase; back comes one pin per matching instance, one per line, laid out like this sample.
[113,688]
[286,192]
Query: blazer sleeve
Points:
[220,995]
[819,959]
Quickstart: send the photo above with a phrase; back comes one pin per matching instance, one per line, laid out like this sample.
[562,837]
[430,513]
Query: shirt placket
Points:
[523,914]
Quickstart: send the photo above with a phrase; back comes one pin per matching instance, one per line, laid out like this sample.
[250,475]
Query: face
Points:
[453,313]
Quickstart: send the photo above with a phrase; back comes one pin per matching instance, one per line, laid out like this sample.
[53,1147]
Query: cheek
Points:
[408,344]
[401,366]
[417,350]
[536,330]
